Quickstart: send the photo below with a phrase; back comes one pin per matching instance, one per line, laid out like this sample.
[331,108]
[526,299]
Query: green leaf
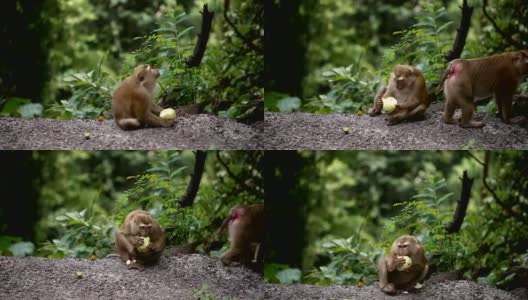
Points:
[289,276]
[22,248]
[289,104]
[30,110]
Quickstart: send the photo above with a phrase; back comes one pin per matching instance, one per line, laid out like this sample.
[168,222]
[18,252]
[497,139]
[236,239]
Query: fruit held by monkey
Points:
[144,246]
[168,114]
[389,104]
[406,265]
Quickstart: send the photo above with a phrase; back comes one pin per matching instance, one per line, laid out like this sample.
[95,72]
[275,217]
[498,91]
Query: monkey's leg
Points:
[384,284]
[396,118]
[424,273]
[504,104]
[136,266]
[449,111]
[418,112]
[155,121]
[231,257]
[468,108]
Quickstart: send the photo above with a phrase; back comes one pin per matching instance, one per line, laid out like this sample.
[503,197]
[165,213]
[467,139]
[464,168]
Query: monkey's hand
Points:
[399,261]
[138,241]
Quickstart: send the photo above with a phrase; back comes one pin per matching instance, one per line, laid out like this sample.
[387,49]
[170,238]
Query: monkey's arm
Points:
[158,245]
[409,104]
[155,121]
[378,103]
[155,108]
[123,243]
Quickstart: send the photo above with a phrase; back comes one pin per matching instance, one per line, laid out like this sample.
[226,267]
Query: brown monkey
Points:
[390,279]
[246,234]
[138,225]
[133,101]
[407,85]
[466,80]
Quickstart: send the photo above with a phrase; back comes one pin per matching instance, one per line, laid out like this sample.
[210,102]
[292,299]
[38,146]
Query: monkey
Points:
[133,101]
[390,279]
[407,85]
[466,80]
[137,225]
[246,234]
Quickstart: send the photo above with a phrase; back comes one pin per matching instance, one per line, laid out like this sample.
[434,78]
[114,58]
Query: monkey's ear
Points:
[517,56]
[140,76]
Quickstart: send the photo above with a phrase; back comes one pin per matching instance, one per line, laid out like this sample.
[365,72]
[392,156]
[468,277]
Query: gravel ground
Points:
[318,131]
[197,132]
[459,290]
[174,278]
[180,277]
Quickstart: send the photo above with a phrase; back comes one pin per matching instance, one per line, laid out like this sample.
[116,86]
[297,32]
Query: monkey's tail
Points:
[440,86]
[128,123]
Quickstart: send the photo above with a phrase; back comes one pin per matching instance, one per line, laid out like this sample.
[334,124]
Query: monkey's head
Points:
[404,76]
[147,76]
[520,61]
[142,224]
[405,245]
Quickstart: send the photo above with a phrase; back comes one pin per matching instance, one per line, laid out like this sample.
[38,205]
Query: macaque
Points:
[133,101]
[466,80]
[407,85]
[246,234]
[138,225]
[390,278]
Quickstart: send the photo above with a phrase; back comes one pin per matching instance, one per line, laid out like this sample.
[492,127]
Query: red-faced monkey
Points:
[394,274]
[133,101]
[246,234]
[130,238]
[467,80]
[407,85]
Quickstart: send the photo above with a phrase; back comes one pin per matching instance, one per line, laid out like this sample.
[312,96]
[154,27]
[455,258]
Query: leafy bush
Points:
[82,236]
[352,88]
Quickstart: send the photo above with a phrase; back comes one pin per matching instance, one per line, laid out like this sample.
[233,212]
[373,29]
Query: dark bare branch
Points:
[462,32]
[203,37]
[462,204]
[196,177]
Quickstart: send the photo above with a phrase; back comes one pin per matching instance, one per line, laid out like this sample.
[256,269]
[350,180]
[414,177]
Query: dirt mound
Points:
[174,278]
[317,131]
[197,132]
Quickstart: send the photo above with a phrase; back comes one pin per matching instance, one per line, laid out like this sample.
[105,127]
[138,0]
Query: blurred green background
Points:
[338,53]
[333,213]
[68,203]
[63,59]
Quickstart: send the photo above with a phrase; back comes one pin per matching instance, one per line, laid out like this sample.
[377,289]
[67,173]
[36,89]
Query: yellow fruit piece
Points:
[346,129]
[389,104]
[86,135]
[406,265]
[168,114]
[146,243]
[79,275]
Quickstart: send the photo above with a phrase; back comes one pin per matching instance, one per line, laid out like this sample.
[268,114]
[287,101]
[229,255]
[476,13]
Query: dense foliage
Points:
[84,196]
[348,50]
[357,203]
[92,45]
